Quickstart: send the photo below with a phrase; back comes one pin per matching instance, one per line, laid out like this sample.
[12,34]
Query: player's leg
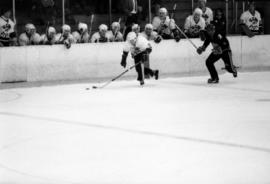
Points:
[138,59]
[147,70]
[229,66]
[146,65]
[210,61]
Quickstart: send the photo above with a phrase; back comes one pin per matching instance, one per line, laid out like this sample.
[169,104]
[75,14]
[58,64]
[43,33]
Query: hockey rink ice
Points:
[171,131]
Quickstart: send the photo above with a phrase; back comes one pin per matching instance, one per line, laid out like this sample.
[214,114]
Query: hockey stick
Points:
[115,78]
[182,32]
[91,24]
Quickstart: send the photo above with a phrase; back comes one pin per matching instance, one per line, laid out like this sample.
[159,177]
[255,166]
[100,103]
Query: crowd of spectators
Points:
[162,27]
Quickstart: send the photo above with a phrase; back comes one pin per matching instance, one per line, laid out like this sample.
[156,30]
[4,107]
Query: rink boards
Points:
[102,60]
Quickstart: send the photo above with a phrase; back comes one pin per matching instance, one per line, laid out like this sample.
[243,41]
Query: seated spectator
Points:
[131,11]
[30,36]
[150,34]
[251,22]
[136,28]
[219,22]
[7,33]
[115,35]
[81,35]
[207,12]
[101,36]
[165,26]
[194,24]
[50,37]
[65,37]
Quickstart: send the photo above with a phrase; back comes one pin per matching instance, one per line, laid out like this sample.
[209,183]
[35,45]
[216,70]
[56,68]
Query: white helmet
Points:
[148,26]
[82,26]
[51,30]
[103,27]
[66,28]
[198,11]
[115,25]
[135,28]
[163,10]
[30,26]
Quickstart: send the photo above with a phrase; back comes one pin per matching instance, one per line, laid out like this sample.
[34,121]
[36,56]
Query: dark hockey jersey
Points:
[218,40]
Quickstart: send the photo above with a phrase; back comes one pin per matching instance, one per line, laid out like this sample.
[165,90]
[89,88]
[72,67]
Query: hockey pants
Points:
[141,58]
[226,56]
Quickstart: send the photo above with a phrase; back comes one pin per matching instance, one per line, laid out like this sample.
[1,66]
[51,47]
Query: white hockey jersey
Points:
[6,27]
[96,38]
[118,37]
[80,38]
[192,27]
[252,21]
[33,40]
[164,26]
[141,44]
[151,37]
[207,15]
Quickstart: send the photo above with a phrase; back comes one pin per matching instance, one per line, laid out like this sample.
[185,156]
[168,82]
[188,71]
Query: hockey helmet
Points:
[103,27]
[82,27]
[66,28]
[198,11]
[115,25]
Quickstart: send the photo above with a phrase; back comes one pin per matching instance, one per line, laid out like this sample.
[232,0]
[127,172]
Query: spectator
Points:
[150,34]
[194,24]
[136,28]
[101,36]
[81,35]
[49,38]
[219,22]
[207,12]
[7,32]
[65,37]
[165,26]
[251,22]
[115,35]
[30,36]
[131,10]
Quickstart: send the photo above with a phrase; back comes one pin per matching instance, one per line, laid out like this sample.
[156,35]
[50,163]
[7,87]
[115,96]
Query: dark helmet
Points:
[251,2]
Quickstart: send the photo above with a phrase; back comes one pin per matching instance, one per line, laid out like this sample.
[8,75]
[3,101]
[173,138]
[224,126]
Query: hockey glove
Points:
[149,50]
[200,50]
[124,59]
[67,44]
[176,35]
[158,39]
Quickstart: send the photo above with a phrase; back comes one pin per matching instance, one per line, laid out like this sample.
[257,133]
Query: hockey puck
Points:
[94,87]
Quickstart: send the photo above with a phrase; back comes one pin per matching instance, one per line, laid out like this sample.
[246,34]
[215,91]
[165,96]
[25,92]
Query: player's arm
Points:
[202,48]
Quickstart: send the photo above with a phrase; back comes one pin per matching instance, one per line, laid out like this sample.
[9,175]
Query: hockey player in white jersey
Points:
[101,36]
[250,21]
[7,33]
[81,35]
[65,37]
[207,12]
[194,24]
[165,26]
[114,34]
[30,36]
[139,48]
[50,37]
[150,35]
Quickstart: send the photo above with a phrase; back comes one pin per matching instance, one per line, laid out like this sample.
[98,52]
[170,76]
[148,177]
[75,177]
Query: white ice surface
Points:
[174,130]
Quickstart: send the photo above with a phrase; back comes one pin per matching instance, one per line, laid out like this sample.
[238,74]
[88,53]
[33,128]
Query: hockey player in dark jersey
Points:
[221,50]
